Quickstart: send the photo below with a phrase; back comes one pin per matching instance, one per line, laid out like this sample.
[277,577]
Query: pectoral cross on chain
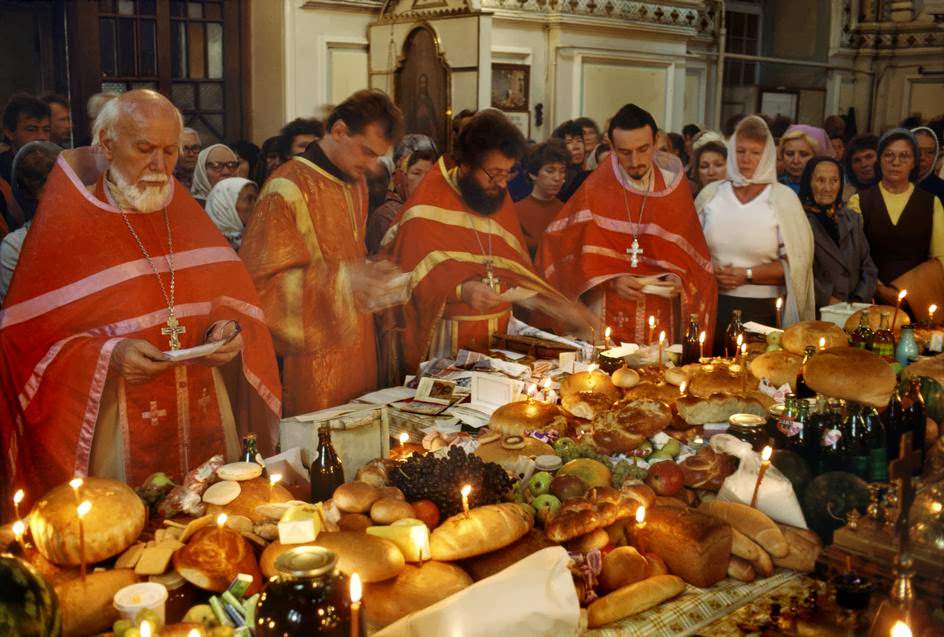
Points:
[634,251]
[174,329]
[493,282]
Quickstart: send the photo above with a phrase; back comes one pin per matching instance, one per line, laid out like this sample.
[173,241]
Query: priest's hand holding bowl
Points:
[137,361]
[228,332]
[479,296]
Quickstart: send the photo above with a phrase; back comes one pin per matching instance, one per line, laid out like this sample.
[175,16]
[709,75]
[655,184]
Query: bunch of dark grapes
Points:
[441,479]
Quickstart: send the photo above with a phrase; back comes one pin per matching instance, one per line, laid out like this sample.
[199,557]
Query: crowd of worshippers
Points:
[873,201]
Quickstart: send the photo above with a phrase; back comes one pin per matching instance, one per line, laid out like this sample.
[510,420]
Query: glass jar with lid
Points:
[750,428]
[308,597]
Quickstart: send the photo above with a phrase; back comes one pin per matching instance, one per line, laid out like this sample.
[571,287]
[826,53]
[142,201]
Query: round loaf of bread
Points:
[594,540]
[874,313]
[797,338]
[373,558]
[517,418]
[114,523]
[355,497]
[715,378]
[625,377]
[621,567]
[676,376]
[852,374]
[389,510]
[599,383]
[779,368]
[416,588]
[213,558]
[252,493]
[508,458]
[486,529]
[930,367]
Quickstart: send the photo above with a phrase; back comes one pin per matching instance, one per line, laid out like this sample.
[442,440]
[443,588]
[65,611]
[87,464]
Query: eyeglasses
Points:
[901,157]
[191,149]
[500,175]
[220,165]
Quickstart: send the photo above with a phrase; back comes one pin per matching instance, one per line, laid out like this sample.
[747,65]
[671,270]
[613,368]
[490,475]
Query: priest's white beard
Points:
[147,198]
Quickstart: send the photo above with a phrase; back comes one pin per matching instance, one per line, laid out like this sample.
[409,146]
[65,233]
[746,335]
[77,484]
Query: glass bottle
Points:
[800,442]
[325,473]
[731,334]
[896,423]
[786,427]
[883,343]
[832,445]
[916,416]
[803,390]
[690,346]
[876,442]
[863,334]
[249,449]
[907,350]
[857,443]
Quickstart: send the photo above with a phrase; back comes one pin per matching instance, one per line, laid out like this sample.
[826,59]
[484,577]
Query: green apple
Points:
[546,506]
[540,483]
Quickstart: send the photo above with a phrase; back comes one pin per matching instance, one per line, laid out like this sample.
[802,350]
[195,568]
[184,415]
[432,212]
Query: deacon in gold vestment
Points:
[305,249]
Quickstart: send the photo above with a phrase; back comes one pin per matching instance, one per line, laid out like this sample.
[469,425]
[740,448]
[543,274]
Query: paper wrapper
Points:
[532,598]
[775,497]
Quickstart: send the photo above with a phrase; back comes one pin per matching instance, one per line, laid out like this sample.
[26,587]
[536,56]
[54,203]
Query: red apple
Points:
[428,512]
[665,478]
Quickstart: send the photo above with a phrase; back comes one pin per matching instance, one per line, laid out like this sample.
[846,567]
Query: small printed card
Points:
[435,390]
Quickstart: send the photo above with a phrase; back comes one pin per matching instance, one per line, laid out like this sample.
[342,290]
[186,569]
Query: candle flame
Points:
[652,321]
[76,483]
[701,338]
[936,507]
[682,387]
[661,337]
[640,514]
[532,389]
[404,437]
[822,342]
[547,383]
[902,295]
[19,529]
[356,588]
[779,303]
[275,478]
[193,633]
[221,520]
[743,349]
[607,332]
[900,629]
[466,490]
[766,453]
[145,629]
[18,496]
[592,367]
[932,309]
[740,339]
[84,508]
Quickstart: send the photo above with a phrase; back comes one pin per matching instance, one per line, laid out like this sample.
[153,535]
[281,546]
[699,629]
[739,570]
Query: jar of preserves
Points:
[750,428]
[308,597]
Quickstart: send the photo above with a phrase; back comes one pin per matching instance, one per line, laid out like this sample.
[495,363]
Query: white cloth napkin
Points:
[532,598]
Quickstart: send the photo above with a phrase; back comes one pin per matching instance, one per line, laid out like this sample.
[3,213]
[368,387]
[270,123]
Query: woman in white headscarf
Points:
[214,163]
[758,235]
[230,205]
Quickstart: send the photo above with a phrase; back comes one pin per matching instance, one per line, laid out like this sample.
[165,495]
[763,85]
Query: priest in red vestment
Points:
[629,243]
[120,266]
[460,238]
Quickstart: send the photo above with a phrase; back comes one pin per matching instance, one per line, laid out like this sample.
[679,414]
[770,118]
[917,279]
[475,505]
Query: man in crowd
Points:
[860,159]
[60,120]
[25,119]
[571,133]
[459,236]
[190,147]
[306,251]
[122,266]
[629,242]
[297,135]
[546,167]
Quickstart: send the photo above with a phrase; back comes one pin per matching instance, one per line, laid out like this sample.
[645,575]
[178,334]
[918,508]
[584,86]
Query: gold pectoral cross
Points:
[174,329]
[492,281]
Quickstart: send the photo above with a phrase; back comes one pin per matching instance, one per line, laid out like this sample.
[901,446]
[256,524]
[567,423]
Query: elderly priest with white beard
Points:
[120,266]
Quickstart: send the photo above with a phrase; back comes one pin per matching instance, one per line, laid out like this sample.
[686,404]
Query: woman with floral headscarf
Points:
[760,241]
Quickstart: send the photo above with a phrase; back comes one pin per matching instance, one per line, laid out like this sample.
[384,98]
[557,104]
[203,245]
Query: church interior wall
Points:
[526,43]
[267,70]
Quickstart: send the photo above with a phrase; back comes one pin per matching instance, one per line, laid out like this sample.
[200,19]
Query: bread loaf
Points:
[214,557]
[874,313]
[488,564]
[741,569]
[717,408]
[625,377]
[779,368]
[374,559]
[655,565]
[581,382]
[804,547]
[799,336]
[252,493]
[487,528]
[389,510]
[744,547]
[621,567]
[633,599]
[414,589]
[595,540]
[114,523]
[694,546]
[87,607]
[751,522]
[355,497]
[518,418]
[507,458]
[853,374]
[354,522]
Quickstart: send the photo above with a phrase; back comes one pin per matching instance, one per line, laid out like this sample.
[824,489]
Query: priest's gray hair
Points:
[108,118]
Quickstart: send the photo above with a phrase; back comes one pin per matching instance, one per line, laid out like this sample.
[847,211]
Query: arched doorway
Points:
[422,86]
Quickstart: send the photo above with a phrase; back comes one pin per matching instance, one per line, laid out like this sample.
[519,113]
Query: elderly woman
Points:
[709,160]
[842,267]
[214,163]
[230,205]
[760,241]
[797,146]
[930,149]
[904,224]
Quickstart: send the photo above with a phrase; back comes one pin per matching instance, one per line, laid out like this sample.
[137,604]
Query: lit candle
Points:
[606,336]
[765,462]
[465,491]
[76,484]
[661,345]
[532,390]
[682,387]
[145,629]
[552,397]
[17,498]
[591,380]
[641,517]
[701,345]
[81,511]
[822,343]
[356,592]
[652,327]
[404,437]
[274,479]
[901,297]
[194,633]
[779,313]
[740,341]
[547,389]
[931,310]
[900,629]
[19,530]
[220,523]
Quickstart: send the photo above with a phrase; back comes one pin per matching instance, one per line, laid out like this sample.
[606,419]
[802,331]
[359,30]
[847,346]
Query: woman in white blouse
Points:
[758,235]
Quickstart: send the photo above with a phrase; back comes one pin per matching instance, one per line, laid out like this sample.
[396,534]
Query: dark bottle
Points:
[731,334]
[786,427]
[325,473]
[896,423]
[876,443]
[863,334]
[249,449]
[832,443]
[803,390]
[916,417]
[800,443]
[690,347]
[857,443]
[883,343]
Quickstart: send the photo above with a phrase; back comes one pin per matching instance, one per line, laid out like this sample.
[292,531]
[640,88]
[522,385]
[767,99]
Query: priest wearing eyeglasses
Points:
[121,270]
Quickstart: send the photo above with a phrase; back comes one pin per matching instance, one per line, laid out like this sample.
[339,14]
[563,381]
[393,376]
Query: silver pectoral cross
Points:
[174,329]
[634,251]
[492,281]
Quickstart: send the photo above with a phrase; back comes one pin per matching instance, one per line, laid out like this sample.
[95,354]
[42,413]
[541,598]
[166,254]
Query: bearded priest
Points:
[629,243]
[120,267]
